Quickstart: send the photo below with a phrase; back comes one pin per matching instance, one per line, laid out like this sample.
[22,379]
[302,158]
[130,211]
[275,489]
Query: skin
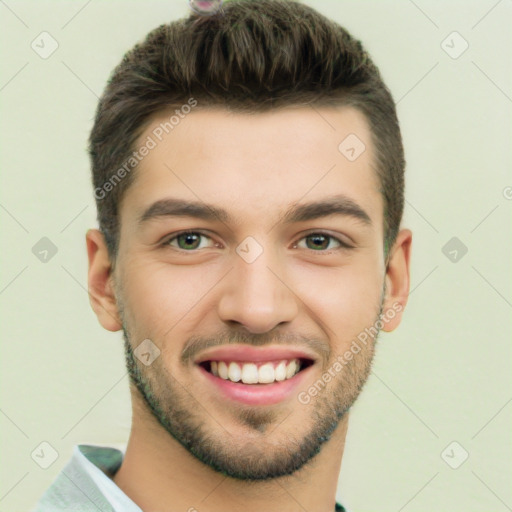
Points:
[255,167]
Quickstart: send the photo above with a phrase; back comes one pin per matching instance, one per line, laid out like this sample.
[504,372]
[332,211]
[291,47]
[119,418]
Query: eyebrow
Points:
[332,205]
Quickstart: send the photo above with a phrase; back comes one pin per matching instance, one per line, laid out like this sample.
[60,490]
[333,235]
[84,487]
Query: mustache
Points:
[197,344]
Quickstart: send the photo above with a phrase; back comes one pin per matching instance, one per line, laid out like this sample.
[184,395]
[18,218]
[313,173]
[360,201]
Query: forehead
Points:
[246,161]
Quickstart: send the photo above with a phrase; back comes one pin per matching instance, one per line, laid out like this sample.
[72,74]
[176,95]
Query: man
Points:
[249,174]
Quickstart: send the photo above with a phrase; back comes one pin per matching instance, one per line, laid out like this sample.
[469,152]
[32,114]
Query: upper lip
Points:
[246,353]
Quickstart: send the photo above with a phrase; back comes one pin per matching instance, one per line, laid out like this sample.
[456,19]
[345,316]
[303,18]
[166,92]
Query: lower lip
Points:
[257,394]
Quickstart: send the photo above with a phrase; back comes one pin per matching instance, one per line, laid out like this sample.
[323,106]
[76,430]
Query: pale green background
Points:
[444,375]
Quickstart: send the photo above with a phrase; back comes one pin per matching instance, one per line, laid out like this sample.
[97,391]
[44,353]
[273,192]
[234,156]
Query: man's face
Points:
[285,288]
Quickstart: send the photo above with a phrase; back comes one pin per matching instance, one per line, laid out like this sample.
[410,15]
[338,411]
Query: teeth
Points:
[223,370]
[250,373]
[291,369]
[234,372]
[280,371]
[266,373]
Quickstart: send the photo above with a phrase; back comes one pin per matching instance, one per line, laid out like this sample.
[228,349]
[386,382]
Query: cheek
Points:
[161,298]
[165,301]
[344,300]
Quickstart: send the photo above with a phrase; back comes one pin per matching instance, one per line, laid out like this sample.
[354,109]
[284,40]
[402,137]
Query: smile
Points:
[255,372]
[255,376]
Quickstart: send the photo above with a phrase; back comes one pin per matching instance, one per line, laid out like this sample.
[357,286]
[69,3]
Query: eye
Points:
[191,241]
[321,242]
[187,241]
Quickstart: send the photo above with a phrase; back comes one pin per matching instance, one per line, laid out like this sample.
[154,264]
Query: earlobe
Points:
[101,291]
[397,280]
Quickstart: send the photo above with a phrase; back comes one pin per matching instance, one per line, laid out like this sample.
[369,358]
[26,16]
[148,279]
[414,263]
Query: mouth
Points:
[251,372]
[255,376]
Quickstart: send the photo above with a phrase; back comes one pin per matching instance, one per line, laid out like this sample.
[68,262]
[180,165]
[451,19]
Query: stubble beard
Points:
[269,450]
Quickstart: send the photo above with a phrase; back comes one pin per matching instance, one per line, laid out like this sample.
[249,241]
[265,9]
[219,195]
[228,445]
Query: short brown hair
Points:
[250,56]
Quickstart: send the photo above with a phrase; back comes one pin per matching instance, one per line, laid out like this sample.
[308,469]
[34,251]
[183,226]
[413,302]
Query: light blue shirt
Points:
[83,484]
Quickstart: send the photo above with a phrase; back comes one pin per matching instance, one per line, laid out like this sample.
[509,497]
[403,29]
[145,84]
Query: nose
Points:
[257,296]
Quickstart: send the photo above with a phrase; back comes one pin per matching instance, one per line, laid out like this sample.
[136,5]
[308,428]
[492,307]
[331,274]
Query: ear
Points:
[397,280]
[100,282]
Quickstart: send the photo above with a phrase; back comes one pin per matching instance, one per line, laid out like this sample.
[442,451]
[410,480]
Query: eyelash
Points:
[342,245]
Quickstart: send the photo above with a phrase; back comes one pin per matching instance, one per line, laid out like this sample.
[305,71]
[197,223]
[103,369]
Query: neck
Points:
[157,471]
